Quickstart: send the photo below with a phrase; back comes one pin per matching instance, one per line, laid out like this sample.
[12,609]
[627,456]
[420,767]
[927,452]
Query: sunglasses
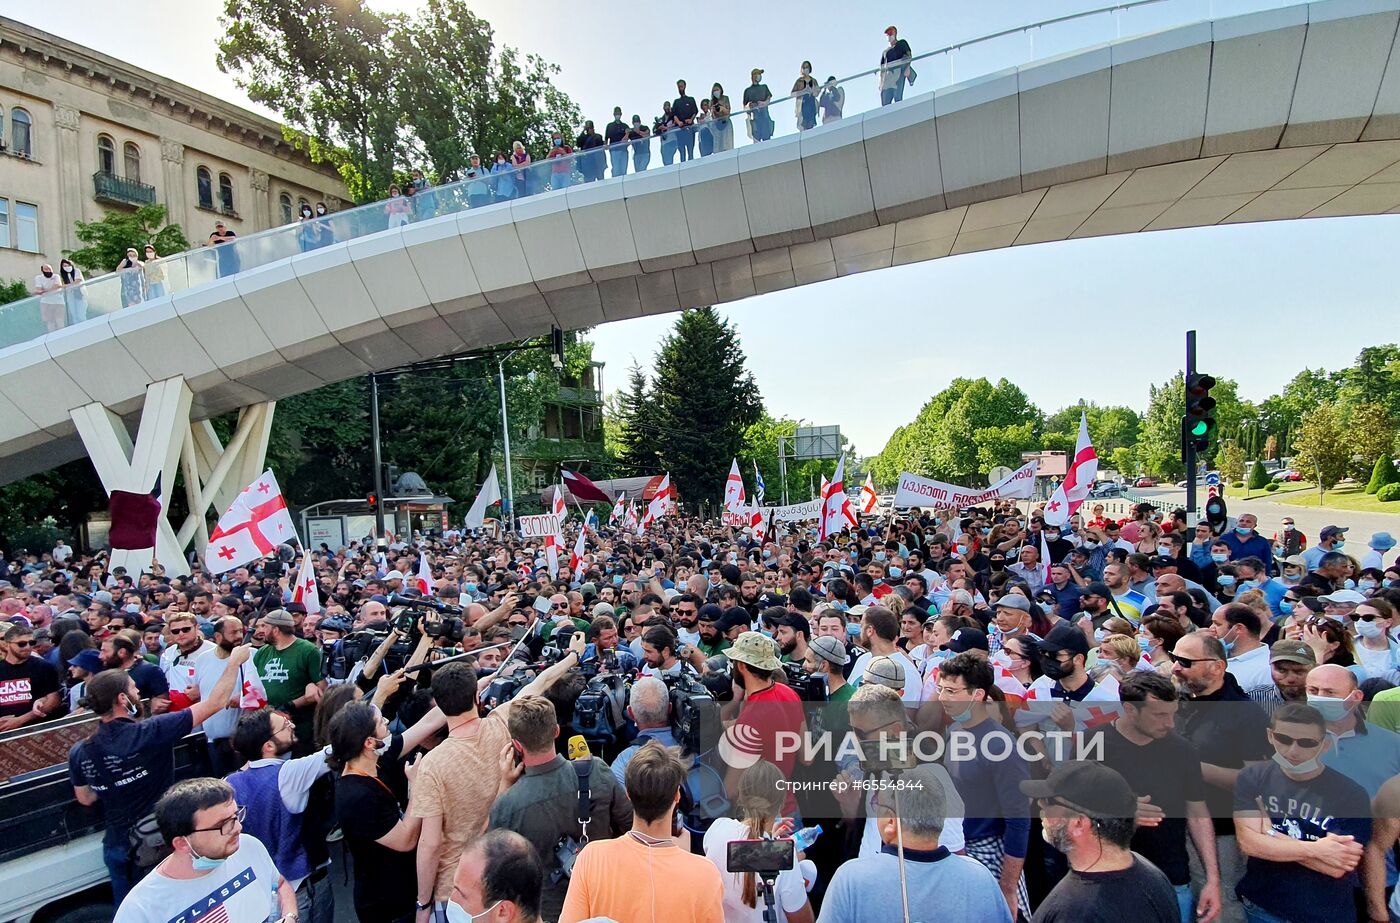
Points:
[1189,662]
[1366,616]
[1307,743]
[182,631]
[22,643]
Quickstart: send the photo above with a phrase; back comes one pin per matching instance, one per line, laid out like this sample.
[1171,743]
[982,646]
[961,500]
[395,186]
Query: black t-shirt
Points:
[133,760]
[1308,811]
[1227,729]
[23,685]
[615,131]
[386,880]
[1169,772]
[150,679]
[1140,891]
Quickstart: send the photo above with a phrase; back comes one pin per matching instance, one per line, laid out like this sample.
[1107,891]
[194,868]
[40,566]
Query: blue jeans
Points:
[1185,903]
[893,94]
[685,142]
[619,159]
[1256,914]
[118,869]
[641,155]
[560,180]
[668,147]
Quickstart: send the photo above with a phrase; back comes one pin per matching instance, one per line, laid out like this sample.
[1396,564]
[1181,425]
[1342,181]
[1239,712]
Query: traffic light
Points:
[372,499]
[1216,514]
[556,347]
[1198,425]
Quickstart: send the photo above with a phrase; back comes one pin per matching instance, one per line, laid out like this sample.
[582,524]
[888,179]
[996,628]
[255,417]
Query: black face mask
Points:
[1054,669]
[998,565]
[48,273]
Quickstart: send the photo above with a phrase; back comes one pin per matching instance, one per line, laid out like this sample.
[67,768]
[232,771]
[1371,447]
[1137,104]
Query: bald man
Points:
[1364,752]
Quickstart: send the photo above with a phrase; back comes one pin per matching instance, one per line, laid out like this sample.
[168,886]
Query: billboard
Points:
[817,442]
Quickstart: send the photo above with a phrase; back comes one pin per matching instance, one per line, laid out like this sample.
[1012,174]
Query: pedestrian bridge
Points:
[1286,112]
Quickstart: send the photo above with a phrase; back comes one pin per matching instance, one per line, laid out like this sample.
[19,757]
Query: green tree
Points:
[375,94]
[105,241]
[1124,461]
[67,495]
[704,399]
[1258,477]
[1231,461]
[1372,432]
[1321,452]
[1374,378]
[637,433]
[761,446]
[963,430]
[1109,427]
[1382,473]
[12,290]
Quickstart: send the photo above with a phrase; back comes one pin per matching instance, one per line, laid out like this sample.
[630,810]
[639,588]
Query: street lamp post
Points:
[505,439]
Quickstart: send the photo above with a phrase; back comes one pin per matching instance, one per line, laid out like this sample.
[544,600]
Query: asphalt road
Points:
[1310,520]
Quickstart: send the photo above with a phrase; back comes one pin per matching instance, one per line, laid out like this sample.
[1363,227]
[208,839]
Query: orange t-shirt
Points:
[624,880]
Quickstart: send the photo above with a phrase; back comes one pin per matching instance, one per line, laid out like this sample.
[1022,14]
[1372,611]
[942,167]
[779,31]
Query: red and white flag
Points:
[658,505]
[252,695]
[489,495]
[424,580]
[836,506]
[826,485]
[1044,559]
[305,592]
[552,543]
[867,494]
[618,510]
[1074,489]
[629,516]
[255,523]
[576,556]
[734,489]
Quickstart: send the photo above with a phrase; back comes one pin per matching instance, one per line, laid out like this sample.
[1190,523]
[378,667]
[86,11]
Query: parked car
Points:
[1144,481]
[1102,490]
[1288,476]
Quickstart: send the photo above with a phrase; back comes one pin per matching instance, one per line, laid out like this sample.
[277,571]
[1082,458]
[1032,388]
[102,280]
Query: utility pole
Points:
[375,452]
[782,466]
[505,439]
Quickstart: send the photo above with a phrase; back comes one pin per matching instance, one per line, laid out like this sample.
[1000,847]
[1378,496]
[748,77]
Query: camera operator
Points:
[542,796]
[603,645]
[649,707]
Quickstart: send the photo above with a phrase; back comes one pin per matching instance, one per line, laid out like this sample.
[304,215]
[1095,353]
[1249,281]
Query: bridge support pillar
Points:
[168,444]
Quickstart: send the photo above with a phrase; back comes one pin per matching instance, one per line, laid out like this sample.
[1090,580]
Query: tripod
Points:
[767,881]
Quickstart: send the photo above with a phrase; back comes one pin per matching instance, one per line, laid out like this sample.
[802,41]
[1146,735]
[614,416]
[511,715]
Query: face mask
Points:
[558,142]
[896,572]
[201,864]
[1288,527]
[1350,584]
[1241,530]
[1249,584]
[320,209]
[1291,579]
[987,531]
[1052,668]
[456,914]
[768,552]
[961,549]
[1166,551]
[1219,558]
[1299,769]
[853,630]
[1090,545]
[998,565]
[963,715]
[1391,582]
[1228,645]
[1332,709]
[617,580]
[1371,629]
[1225,580]
[1144,645]
[1367,584]
[1285,607]
[1100,634]
[880,555]
[1337,545]
[48,273]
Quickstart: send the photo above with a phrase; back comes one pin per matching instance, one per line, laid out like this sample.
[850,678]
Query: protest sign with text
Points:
[916,491]
[539,526]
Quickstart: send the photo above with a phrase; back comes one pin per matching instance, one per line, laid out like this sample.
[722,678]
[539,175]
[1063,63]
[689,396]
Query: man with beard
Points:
[122,652]
[178,659]
[275,791]
[686,608]
[1289,665]
[219,727]
[750,589]
[793,634]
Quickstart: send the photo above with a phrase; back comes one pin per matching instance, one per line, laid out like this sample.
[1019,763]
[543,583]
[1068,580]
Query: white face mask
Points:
[456,914]
[1300,769]
[1371,629]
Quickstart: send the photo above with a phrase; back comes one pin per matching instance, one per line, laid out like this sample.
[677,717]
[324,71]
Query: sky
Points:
[1097,320]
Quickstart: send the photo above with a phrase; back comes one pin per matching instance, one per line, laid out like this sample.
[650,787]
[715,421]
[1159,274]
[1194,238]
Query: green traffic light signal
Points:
[1199,428]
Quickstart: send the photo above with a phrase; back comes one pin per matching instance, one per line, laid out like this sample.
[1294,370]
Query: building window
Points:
[106,155]
[204,187]
[284,202]
[21,135]
[27,227]
[225,192]
[302,203]
[131,156]
[4,222]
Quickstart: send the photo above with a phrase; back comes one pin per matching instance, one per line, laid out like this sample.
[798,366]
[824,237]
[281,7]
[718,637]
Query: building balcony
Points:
[554,449]
[108,187]
[569,395]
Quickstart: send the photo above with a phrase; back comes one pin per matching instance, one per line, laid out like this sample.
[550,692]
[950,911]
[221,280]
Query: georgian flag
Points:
[1044,559]
[734,489]
[868,499]
[836,506]
[255,523]
[305,592]
[576,556]
[629,516]
[424,579]
[659,504]
[1074,489]
[552,543]
[489,495]
[758,485]
[618,510]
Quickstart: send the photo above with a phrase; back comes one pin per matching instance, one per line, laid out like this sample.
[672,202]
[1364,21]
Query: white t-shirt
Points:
[952,835]
[49,288]
[244,886]
[789,892]
[207,673]
[913,678]
[180,673]
[1251,670]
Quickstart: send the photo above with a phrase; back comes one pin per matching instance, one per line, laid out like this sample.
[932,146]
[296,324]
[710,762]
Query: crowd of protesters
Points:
[1243,688]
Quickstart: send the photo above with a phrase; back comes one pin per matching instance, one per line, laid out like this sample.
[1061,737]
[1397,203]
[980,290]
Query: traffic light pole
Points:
[1188,446]
[375,452]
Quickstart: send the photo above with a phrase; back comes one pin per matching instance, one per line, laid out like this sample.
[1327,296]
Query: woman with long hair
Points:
[132,280]
[74,299]
[760,800]
[1158,638]
[154,272]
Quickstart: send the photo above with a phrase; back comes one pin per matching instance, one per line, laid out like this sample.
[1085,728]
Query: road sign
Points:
[817,442]
[1213,479]
[999,473]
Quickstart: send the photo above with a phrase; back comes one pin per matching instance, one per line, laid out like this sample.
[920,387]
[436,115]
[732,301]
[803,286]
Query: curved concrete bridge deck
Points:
[1284,114]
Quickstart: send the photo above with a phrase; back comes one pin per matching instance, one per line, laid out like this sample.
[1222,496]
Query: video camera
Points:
[810,687]
[600,712]
[695,720]
[412,607]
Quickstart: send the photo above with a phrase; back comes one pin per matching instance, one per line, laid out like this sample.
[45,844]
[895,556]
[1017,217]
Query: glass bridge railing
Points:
[748,115]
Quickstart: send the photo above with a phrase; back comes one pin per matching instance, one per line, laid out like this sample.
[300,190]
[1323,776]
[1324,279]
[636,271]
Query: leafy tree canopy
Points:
[105,241]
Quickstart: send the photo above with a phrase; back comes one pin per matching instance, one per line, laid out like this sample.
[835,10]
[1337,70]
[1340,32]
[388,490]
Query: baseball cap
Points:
[1163,561]
[831,650]
[1329,531]
[1295,560]
[710,613]
[1312,603]
[754,649]
[1089,788]
[1346,597]
[89,660]
[797,622]
[1014,601]
[102,596]
[604,609]
[1065,637]
[890,29]
[1292,652]
[1098,588]
[296,608]
[279,618]
[967,639]
[393,575]
[734,618]
[882,671]
[335,623]
[757,71]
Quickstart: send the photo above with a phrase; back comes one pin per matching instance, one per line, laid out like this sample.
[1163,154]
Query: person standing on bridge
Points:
[683,111]
[895,70]
[615,134]
[756,99]
[49,287]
